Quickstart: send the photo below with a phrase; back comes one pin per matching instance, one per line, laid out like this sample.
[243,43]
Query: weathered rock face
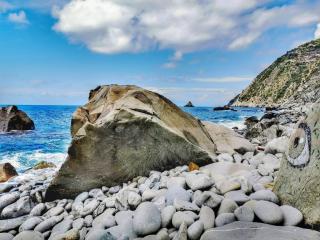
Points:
[126,131]
[294,78]
[298,182]
[13,119]
[7,171]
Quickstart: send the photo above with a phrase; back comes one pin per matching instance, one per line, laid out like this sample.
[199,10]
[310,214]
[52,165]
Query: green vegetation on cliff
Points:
[294,77]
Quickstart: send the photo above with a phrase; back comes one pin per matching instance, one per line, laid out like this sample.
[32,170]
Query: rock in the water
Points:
[259,231]
[268,212]
[7,171]
[11,118]
[44,164]
[121,133]
[298,182]
[189,104]
[147,219]
[227,140]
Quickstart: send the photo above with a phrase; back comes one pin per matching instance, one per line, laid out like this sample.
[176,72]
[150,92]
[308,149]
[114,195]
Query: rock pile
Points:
[173,204]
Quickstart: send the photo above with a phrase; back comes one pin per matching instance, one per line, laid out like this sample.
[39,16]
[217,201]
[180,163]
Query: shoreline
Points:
[83,216]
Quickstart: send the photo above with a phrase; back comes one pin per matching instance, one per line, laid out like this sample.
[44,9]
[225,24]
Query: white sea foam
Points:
[25,160]
[231,124]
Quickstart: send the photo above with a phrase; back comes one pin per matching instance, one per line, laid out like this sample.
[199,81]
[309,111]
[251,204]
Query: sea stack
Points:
[11,118]
[189,104]
[124,132]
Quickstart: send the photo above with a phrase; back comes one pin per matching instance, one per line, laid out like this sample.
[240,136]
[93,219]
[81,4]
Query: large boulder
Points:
[126,131]
[259,231]
[227,140]
[298,182]
[11,118]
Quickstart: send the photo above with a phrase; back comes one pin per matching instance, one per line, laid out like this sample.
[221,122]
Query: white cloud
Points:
[4,6]
[230,79]
[115,26]
[19,17]
[317,32]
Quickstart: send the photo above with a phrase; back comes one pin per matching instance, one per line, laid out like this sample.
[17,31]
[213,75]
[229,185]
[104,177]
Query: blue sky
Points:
[54,52]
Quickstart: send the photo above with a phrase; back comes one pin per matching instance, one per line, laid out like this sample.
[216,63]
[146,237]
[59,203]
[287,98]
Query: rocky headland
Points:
[293,80]
[183,179]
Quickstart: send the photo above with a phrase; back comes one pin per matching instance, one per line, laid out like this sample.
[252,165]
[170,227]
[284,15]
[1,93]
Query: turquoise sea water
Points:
[50,140]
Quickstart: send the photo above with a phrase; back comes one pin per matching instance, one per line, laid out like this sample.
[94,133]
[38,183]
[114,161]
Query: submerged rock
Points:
[11,118]
[124,132]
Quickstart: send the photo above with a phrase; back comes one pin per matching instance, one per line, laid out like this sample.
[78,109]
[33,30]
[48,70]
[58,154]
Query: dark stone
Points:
[224,108]
[11,118]
[189,104]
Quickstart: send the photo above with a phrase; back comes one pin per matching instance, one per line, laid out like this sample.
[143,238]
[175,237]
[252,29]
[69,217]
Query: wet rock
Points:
[7,199]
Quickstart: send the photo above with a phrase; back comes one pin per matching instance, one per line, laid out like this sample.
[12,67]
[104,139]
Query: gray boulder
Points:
[298,182]
[124,132]
[259,231]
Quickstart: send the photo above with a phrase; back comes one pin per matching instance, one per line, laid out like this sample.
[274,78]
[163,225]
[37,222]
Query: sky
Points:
[206,51]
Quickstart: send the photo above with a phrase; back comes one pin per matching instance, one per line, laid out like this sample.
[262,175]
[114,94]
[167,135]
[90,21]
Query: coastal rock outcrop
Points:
[126,131]
[11,118]
[298,182]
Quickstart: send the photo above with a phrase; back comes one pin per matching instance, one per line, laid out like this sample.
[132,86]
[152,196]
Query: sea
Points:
[51,138]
